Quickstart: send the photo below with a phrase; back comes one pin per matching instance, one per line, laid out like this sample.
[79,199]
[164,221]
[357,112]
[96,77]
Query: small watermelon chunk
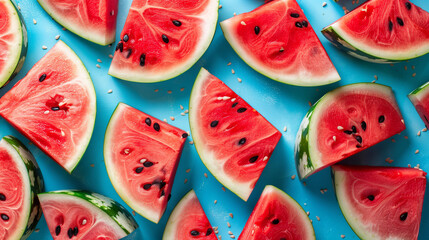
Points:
[188,221]
[381,202]
[141,155]
[233,140]
[20,182]
[83,215]
[277,216]
[163,39]
[420,100]
[382,31]
[92,20]
[278,41]
[344,122]
[13,41]
[54,106]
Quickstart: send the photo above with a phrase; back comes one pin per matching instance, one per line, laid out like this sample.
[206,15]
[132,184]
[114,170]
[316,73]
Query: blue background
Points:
[281,104]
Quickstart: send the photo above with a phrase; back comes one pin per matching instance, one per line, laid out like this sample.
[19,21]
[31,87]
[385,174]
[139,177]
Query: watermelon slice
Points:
[20,182]
[141,155]
[233,140]
[85,215]
[163,39]
[188,221]
[277,216]
[13,41]
[420,99]
[344,122]
[381,202]
[54,106]
[92,20]
[382,31]
[278,41]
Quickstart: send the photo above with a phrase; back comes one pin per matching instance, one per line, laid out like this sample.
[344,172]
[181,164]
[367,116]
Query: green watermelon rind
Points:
[21,50]
[306,160]
[35,181]
[160,78]
[423,89]
[113,209]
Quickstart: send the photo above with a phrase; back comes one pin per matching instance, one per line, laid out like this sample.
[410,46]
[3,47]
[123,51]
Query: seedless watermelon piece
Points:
[278,41]
[233,140]
[381,202]
[163,39]
[141,155]
[20,182]
[344,122]
[54,106]
[92,20]
[72,214]
[420,100]
[382,31]
[13,41]
[277,216]
[188,221]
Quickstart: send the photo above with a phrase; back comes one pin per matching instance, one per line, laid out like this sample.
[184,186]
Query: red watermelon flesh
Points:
[381,202]
[142,161]
[54,106]
[277,216]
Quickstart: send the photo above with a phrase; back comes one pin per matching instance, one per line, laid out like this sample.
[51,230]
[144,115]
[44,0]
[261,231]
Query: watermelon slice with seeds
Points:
[92,20]
[188,221]
[163,39]
[13,41]
[83,215]
[233,140]
[381,202]
[382,31]
[20,182]
[420,100]
[54,106]
[344,122]
[141,155]
[278,41]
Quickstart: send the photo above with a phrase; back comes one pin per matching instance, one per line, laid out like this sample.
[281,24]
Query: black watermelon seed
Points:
[156,127]
[294,15]
[120,47]
[42,78]
[282,238]
[55,108]
[2,197]
[4,217]
[148,121]
[75,231]
[125,38]
[275,221]
[234,104]
[162,184]
[147,186]
[305,23]
[359,139]
[257,30]
[381,119]
[348,132]
[195,233]
[408,5]
[58,230]
[242,141]
[185,135]
[298,24]
[148,164]
[358,146]
[70,233]
[177,23]
[390,25]
[363,125]
[214,123]
[142,60]
[400,21]
[169,197]
[139,169]
[371,197]
[162,193]
[130,51]
[403,216]
[209,231]
[253,159]
[354,130]
[241,110]
[165,38]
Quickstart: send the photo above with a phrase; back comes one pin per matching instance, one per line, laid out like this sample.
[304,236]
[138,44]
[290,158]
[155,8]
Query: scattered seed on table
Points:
[186,111]
[285,129]
[181,107]
[215,201]
[232,71]
[183,114]
[309,103]
[44,47]
[414,74]
[228,224]
[98,65]
[92,165]
[205,175]
[186,180]
[191,142]
[165,120]
[406,137]
[182,89]
[229,64]
[343,236]
[223,189]
[34,21]
[134,213]
[230,233]
[417,151]
[239,80]
[413,67]
[293,177]
[172,118]
[308,213]
[57,37]
[232,216]
[424,130]
[375,77]
[169,91]
[110,91]
[393,140]
[324,4]
[110,56]
[99,60]
[318,218]
[156,90]
[419,133]
[220,6]
[406,68]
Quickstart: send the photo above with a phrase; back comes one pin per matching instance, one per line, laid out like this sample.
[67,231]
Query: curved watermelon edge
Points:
[113,209]
[36,182]
[23,48]
[178,72]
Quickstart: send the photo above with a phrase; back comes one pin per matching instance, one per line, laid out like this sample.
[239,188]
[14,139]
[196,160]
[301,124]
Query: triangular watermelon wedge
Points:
[54,106]
[233,140]
[381,202]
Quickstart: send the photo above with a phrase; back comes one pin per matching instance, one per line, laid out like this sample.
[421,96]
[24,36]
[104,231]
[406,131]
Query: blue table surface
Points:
[281,104]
